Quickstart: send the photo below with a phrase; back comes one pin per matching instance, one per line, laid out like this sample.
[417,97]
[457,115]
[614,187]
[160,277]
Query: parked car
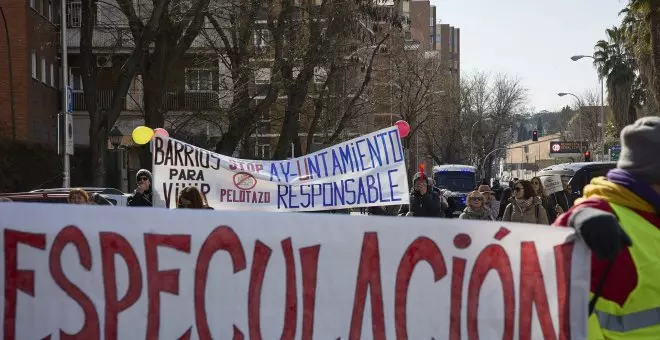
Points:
[578,174]
[100,196]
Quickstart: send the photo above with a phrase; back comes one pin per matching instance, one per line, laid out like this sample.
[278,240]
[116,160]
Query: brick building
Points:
[33,82]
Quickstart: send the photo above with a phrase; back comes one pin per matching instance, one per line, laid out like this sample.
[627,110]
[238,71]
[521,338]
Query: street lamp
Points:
[116,137]
[561,94]
[602,103]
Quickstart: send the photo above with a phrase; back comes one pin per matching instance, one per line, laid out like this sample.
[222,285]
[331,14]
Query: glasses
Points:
[518,189]
[536,183]
[142,179]
[475,199]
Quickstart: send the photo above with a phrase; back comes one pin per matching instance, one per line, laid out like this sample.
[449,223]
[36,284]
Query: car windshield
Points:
[455,181]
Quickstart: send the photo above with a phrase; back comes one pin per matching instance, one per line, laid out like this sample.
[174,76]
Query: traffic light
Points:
[535,136]
[587,156]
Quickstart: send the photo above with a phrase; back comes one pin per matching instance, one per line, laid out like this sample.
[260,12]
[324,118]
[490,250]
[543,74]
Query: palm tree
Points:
[614,62]
[642,18]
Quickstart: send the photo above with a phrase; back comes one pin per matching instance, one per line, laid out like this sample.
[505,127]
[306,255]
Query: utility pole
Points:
[66,119]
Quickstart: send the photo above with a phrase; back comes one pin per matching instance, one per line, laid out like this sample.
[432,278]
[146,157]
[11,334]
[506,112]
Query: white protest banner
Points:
[366,171]
[551,184]
[199,274]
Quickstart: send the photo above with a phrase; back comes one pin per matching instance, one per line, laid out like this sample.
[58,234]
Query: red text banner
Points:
[81,272]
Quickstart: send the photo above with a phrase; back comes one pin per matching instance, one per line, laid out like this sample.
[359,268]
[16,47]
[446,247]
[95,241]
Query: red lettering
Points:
[422,249]
[368,278]
[563,256]
[221,238]
[492,257]
[259,263]
[457,278]
[309,261]
[17,279]
[113,244]
[532,291]
[73,235]
[160,281]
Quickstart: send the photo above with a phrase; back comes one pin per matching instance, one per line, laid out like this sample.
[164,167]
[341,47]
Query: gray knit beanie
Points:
[143,172]
[640,149]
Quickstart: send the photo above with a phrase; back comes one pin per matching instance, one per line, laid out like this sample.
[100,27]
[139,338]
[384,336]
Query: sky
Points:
[533,40]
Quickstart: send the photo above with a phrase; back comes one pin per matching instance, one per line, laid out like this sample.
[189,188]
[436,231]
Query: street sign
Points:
[615,151]
[69,99]
[568,149]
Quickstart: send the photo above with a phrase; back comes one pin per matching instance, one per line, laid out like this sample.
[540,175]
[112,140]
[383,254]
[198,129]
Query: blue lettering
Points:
[361,194]
[280,196]
[325,164]
[314,169]
[348,190]
[274,173]
[291,197]
[336,164]
[395,149]
[382,140]
[327,193]
[303,193]
[317,191]
[339,193]
[374,153]
[286,171]
[392,185]
[346,157]
[360,154]
[380,190]
[371,185]
[355,158]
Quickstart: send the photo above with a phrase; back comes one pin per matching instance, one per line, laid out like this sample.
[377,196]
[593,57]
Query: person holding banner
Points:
[553,211]
[142,196]
[424,201]
[619,219]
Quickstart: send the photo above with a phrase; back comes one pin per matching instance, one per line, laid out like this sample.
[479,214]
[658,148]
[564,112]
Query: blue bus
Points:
[455,181]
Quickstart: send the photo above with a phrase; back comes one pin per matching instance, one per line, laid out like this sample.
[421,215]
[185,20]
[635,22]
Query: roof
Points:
[573,167]
[454,167]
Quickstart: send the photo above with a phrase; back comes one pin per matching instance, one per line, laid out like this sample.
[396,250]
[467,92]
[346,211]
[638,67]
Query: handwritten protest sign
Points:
[191,274]
[551,184]
[362,172]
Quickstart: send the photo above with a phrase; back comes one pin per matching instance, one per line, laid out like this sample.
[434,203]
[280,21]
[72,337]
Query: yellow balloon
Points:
[142,135]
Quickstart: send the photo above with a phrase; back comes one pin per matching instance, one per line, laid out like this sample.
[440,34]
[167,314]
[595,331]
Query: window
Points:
[52,75]
[320,74]
[50,11]
[32,5]
[34,65]
[43,70]
[262,38]
[45,8]
[75,78]
[73,13]
[262,76]
[199,79]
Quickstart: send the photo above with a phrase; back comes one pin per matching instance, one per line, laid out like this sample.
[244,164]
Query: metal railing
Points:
[172,101]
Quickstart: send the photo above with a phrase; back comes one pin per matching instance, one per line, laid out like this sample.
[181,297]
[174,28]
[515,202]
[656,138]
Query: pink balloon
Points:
[160,132]
[404,128]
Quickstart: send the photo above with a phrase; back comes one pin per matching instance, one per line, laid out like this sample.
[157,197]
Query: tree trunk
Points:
[290,125]
[654,27]
[98,139]
[154,113]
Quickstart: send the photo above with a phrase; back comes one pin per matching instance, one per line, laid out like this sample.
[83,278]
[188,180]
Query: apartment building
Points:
[29,70]
[448,42]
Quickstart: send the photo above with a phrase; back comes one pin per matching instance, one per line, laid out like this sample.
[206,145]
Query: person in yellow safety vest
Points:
[619,219]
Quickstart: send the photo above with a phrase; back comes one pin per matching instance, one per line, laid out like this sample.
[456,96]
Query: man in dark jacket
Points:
[424,201]
[142,195]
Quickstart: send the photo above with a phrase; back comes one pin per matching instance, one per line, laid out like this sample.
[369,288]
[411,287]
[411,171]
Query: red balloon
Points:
[404,128]
[161,132]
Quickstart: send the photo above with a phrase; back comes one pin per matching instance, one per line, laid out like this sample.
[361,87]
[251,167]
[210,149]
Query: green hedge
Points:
[26,166]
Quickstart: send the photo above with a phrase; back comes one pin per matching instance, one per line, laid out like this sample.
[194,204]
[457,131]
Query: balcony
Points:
[172,101]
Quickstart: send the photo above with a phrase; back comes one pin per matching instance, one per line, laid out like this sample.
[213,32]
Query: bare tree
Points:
[102,121]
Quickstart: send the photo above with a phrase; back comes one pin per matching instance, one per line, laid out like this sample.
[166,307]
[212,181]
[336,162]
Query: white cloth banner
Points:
[202,274]
[551,184]
[366,171]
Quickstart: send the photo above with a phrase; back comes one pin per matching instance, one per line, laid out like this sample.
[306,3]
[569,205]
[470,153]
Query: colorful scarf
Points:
[602,188]
[523,205]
